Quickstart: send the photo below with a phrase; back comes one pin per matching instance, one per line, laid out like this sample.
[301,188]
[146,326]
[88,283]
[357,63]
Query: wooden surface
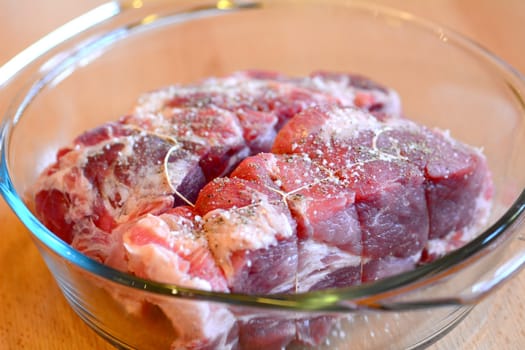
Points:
[33,313]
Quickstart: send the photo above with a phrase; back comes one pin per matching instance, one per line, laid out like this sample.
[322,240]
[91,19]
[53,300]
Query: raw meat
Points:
[254,244]
[261,183]
[348,89]
[324,211]
[213,135]
[261,106]
[168,249]
[412,184]
[109,176]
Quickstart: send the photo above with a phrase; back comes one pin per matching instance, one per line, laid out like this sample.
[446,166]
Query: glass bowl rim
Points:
[336,299]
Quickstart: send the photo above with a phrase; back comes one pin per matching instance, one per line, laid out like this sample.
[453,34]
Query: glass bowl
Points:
[92,69]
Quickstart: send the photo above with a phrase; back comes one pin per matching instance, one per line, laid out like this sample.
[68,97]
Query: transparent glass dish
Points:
[92,69]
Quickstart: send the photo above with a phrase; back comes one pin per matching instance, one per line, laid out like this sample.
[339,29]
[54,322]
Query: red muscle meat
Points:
[398,170]
[213,135]
[349,89]
[262,183]
[168,248]
[112,174]
[251,235]
[261,106]
[327,226]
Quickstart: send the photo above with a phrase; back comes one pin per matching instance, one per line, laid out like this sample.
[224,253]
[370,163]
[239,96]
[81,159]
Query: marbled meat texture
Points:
[261,183]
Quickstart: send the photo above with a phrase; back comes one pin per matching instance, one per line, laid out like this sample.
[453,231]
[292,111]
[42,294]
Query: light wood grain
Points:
[33,313]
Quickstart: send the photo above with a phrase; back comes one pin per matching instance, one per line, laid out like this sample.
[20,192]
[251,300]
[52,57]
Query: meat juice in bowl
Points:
[310,312]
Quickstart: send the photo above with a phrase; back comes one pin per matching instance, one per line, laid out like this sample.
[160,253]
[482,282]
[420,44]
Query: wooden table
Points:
[33,313]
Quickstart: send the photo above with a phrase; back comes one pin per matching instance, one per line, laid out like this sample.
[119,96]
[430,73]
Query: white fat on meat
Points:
[66,180]
[158,262]
[194,321]
[347,123]
[251,227]
[199,323]
[343,90]
[230,89]
[147,194]
[312,264]
[177,170]
[438,247]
